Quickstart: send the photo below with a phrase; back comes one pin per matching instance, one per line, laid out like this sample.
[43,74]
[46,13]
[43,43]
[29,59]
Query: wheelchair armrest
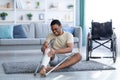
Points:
[90,28]
[89,35]
[113,27]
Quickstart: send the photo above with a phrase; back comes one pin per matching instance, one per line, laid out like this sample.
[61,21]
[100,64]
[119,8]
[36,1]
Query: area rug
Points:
[30,67]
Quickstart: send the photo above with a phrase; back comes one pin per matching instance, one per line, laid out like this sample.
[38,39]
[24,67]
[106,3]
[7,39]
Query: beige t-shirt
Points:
[60,41]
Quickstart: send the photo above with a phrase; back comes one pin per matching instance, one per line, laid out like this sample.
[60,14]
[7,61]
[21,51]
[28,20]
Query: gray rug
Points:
[29,67]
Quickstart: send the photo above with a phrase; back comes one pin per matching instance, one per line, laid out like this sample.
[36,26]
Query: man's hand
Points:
[51,52]
[45,45]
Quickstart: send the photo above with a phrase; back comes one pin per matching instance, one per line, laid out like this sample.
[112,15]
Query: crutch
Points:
[60,63]
[37,68]
[49,45]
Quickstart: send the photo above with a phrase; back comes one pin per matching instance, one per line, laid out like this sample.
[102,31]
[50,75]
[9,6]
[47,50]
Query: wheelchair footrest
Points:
[95,57]
[107,57]
[100,57]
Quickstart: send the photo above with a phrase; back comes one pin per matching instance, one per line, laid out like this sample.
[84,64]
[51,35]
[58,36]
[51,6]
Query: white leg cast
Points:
[46,58]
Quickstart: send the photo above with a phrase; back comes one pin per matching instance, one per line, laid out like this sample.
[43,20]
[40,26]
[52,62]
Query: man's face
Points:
[56,29]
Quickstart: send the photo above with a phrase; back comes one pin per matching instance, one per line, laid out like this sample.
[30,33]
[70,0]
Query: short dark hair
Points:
[55,21]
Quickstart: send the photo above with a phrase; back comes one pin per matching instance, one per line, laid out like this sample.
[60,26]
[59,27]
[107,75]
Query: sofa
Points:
[34,36]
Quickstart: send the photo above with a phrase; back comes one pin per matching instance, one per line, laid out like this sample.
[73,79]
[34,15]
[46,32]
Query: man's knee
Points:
[78,56]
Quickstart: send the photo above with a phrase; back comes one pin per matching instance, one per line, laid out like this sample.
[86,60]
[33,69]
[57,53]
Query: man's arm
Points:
[68,49]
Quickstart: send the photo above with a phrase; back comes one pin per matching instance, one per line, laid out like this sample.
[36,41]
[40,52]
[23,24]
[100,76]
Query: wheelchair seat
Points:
[101,32]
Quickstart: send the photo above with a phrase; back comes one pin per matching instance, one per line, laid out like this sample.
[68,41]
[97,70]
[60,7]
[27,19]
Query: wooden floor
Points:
[79,75]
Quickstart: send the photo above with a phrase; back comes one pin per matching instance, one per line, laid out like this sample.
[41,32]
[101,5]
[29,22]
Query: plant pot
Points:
[3,17]
[29,18]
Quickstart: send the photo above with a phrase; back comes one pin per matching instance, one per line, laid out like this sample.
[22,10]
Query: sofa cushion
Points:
[42,40]
[20,41]
[29,30]
[76,39]
[42,30]
[68,29]
[6,31]
[18,32]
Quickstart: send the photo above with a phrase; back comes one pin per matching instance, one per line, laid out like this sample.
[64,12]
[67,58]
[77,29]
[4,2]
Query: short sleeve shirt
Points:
[60,41]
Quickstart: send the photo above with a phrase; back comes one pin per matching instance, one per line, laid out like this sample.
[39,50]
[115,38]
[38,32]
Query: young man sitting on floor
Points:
[62,46]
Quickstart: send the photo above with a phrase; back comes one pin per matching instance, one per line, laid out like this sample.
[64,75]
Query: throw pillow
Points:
[6,31]
[18,32]
[68,29]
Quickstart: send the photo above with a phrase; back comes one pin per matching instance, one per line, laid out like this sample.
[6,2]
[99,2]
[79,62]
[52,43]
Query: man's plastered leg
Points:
[46,58]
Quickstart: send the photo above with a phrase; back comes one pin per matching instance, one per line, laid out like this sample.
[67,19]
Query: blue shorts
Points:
[55,61]
[58,58]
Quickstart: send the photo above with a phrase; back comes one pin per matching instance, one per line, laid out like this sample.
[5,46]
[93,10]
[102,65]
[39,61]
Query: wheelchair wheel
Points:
[114,48]
[88,48]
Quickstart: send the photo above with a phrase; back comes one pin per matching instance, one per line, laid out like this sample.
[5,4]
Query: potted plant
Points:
[70,6]
[3,15]
[29,15]
[38,4]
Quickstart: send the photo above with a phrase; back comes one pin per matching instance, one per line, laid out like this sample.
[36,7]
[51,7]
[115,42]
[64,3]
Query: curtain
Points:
[80,18]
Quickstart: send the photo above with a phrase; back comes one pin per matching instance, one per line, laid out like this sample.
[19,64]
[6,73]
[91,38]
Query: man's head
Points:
[56,27]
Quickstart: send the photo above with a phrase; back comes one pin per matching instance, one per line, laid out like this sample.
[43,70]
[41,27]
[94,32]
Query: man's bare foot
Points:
[42,71]
[48,68]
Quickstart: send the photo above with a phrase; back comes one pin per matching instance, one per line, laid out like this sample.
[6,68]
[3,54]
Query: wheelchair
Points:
[101,32]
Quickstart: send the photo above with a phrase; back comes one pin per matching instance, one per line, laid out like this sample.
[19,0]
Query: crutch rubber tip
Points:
[43,75]
[34,74]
